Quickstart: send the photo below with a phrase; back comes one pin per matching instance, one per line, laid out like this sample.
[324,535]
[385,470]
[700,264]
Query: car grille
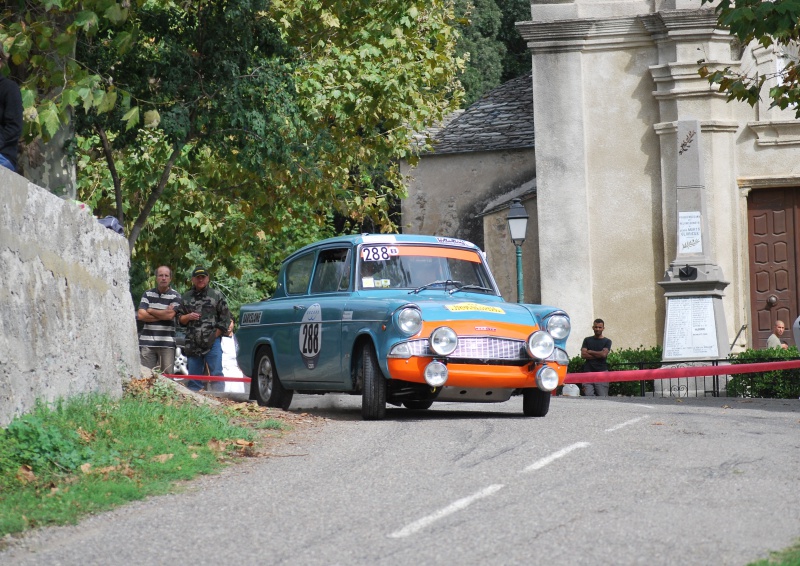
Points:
[477,348]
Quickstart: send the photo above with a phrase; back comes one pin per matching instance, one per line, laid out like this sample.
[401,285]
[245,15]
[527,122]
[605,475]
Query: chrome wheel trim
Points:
[265,378]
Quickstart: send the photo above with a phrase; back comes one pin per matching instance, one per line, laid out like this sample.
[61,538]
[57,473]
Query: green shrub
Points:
[626,359]
[31,440]
[783,384]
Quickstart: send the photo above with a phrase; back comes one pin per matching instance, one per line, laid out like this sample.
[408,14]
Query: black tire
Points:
[418,405]
[535,402]
[373,393]
[269,391]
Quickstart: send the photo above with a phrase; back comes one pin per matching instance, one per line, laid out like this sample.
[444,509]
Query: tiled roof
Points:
[500,119]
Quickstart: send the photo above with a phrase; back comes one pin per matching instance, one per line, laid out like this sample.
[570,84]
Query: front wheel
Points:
[535,402]
[373,394]
[269,391]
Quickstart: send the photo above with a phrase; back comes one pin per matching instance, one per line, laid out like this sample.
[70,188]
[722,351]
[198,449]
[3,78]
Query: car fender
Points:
[248,366]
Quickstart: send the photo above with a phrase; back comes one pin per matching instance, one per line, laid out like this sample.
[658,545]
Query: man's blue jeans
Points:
[197,365]
[4,162]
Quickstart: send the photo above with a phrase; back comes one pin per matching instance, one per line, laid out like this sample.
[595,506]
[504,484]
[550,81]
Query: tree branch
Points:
[114,174]
[155,195]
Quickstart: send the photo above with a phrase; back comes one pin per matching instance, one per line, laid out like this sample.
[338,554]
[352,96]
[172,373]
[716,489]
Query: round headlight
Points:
[444,341]
[435,374]
[540,345]
[409,321]
[561,357]
[547,379]
[558,326]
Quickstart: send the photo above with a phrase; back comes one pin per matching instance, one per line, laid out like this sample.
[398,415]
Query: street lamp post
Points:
[517,225]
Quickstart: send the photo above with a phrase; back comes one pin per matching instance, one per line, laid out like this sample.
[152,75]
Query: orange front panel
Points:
[472,375]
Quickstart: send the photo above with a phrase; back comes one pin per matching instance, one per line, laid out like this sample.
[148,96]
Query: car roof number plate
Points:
[378,253]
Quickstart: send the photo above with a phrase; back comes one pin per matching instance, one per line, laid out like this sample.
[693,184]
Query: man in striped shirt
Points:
[157,311]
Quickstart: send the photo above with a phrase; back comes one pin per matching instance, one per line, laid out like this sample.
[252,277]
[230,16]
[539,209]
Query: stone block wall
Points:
[68,322]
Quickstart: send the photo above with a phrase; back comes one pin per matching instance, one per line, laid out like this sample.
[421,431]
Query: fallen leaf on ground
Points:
[25,474]
[162,458]
[86,468]
[85,436]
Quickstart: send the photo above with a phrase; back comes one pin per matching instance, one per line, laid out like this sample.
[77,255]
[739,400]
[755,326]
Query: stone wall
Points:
[67,317]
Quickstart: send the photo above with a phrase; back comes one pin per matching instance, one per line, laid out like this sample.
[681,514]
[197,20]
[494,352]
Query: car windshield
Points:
[418,267]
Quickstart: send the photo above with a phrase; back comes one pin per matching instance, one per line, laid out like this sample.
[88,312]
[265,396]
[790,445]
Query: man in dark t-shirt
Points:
[595,350]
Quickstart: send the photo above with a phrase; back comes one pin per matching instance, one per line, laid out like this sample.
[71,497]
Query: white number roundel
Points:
[311,335]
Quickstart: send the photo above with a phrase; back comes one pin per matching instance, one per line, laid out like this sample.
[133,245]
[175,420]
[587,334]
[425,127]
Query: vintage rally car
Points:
[400,319]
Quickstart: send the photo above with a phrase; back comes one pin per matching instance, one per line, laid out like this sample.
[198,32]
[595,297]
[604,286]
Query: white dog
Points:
[180,362]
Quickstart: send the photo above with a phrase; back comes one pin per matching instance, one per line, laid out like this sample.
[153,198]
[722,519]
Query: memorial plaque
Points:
[689,236]
[691,329]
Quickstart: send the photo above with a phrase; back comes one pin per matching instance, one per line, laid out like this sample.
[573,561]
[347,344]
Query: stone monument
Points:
[694,327]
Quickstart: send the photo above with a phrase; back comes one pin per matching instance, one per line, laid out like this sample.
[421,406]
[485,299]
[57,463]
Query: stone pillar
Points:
[695,325]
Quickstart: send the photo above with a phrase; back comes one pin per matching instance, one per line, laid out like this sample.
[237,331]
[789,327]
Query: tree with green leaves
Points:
[481,20]
[206,112]
[372,74]
[773,23]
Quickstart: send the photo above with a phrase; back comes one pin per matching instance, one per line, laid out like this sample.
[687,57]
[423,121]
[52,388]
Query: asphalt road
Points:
[618,481]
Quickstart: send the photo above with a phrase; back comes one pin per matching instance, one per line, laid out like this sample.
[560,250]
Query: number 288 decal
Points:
[311,335]
[378,253]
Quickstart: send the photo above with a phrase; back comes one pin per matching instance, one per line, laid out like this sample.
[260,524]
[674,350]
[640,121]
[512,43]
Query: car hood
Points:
[476,307]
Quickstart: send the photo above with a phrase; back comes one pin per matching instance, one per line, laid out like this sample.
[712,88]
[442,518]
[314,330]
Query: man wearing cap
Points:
[157,311]
[206,317]
[10,117]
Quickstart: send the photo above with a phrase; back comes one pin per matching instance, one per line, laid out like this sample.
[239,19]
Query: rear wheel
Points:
[417,405]
[535,402]
[269,391]
[373,394]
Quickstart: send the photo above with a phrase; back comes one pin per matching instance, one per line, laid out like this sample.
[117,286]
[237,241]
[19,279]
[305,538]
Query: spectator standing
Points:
[774,340]
[206,317]
[157,311]
[230,368]
[10,117]
[595,350]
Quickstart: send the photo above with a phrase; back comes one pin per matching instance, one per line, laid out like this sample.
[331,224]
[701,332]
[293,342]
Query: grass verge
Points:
[787,557]
[62,462]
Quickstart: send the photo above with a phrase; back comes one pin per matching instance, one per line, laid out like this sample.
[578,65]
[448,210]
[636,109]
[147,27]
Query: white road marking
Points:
[444,512]
[645,406]
[539,464]
[626,423]
[465,502]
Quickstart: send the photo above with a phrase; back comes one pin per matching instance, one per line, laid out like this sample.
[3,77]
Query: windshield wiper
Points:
[432,283]
[471,288]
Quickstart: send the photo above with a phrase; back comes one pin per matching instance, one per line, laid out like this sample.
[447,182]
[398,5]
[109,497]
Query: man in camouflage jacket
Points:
[206,317]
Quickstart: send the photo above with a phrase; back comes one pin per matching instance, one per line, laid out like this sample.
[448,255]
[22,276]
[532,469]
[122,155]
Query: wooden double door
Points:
[774,228]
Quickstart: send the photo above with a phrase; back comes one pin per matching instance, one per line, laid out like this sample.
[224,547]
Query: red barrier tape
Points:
[205,377]
[672,373]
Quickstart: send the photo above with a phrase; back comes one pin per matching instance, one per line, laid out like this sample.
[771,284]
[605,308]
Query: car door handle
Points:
[299,308]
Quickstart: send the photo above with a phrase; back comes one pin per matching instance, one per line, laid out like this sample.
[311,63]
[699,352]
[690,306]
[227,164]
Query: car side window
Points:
[332,272]
[298,274]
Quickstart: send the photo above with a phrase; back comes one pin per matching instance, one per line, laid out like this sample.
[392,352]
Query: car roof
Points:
[354,240]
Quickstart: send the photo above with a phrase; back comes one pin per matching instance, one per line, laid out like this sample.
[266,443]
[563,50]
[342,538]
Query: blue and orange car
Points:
[399,319]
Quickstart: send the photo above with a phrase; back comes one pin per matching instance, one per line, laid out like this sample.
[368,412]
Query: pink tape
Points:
[672,373]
